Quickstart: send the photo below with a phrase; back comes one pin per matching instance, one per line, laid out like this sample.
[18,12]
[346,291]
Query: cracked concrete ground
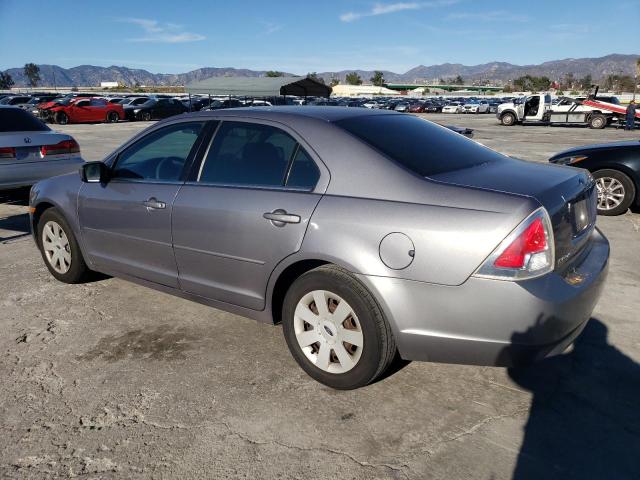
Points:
[112,380]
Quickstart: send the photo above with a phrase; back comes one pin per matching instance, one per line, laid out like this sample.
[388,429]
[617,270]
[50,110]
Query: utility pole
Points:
[53,71]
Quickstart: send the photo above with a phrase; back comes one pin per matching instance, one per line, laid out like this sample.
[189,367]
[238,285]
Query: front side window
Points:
[248,154]
[159,156]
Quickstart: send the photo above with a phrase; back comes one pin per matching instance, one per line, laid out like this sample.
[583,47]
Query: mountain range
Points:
[487,73]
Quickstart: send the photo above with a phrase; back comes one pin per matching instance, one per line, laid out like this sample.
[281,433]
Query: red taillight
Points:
[527,252]
[7,152]
[61,148]
[532,240]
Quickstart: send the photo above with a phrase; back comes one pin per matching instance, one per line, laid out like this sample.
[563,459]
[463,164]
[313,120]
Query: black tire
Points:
[113,117]
[78,270]
[627,185]
[379,347]
[508,119]
[61,118]
[597,121]
[145,116]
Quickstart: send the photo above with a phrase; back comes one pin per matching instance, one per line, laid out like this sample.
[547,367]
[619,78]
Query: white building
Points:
[361,91]
[108,84]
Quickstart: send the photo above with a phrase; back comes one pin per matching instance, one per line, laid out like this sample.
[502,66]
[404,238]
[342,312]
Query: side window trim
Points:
[187,164]
[292,159]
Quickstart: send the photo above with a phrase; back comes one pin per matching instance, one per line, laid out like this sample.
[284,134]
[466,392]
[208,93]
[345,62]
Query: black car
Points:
[155,108]
[616,169]
[222,104]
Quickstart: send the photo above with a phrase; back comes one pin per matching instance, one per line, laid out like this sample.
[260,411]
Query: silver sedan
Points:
[30,151]
[367,234]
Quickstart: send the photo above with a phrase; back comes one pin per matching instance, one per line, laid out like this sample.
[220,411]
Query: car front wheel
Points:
[59,248]
[508,119]
[335,329]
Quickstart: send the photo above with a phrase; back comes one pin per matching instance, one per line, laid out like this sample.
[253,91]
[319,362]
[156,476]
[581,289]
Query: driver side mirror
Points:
[94,172]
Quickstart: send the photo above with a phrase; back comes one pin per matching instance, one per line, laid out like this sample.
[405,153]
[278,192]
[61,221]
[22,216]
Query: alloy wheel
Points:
[56,247]
[328,331]
[610,193]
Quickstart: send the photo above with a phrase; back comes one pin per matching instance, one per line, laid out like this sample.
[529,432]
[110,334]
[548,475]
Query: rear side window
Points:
[304,173]
[17,120]
[419,145]
[248,154]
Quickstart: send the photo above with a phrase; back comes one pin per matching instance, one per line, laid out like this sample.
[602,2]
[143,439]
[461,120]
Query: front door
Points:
[248,209]
[126,223]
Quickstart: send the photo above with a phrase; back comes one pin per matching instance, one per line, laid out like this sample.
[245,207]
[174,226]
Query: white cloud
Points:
[387,8]
[494,16]
[270,27]
[156,32]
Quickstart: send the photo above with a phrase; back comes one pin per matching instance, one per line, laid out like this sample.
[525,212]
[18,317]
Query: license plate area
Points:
[28,153]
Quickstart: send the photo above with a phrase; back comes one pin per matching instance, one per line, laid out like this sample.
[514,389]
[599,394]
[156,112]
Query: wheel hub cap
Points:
[610,193]
[328,331]
[56,247]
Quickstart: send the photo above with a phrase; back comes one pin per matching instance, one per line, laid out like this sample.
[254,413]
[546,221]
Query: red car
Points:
[84,110]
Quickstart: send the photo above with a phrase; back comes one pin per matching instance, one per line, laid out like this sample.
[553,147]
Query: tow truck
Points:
[537,109]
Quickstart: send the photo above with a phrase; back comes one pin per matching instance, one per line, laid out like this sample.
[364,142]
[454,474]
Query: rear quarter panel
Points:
[450,243]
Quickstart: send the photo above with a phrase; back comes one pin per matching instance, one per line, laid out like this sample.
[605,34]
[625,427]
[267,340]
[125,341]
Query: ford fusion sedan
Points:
[616,169]
[31,151]
[365,233]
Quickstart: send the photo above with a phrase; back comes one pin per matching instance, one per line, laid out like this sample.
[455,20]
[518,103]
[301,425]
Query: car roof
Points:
[328,114]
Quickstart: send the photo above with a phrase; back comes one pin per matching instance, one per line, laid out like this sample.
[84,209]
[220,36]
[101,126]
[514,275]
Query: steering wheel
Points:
[175,163]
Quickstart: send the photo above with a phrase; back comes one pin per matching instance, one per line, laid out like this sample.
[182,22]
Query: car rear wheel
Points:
[335,329]
[616,192]
[62,118]
[508,119]
[146,116]
[113,117]
[597,121]
[59,248]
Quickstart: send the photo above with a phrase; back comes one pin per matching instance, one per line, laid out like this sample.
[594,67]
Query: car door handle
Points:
[280,217]
[154,204]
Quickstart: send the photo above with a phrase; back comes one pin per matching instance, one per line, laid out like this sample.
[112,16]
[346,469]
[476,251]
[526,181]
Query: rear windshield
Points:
[17,120]
[419,145]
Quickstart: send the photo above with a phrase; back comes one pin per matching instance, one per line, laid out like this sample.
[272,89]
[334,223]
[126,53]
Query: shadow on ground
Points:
[584,421]
[14,226]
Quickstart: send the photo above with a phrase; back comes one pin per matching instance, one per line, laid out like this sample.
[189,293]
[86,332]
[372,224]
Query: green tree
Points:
[585,82]
[353,79]
[529,83]
[334,81]
[6,82]
[274,73]
[568,81]
[32,72]
[314,76]
[378,78]
[458,80]
[618,83]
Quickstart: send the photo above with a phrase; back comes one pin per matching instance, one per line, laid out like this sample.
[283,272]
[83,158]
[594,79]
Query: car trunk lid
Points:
[28,145]
[568,194]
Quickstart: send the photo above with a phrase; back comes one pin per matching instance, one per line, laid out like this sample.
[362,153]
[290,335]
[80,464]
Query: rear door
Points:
[246,208]
[126,223]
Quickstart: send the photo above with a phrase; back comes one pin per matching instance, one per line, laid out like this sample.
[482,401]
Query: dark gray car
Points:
[365,233]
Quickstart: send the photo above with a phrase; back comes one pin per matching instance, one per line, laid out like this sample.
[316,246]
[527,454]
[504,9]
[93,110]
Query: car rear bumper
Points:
[24,174]
[494,322]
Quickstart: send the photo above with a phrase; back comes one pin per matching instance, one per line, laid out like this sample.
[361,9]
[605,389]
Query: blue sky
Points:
[300,36]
